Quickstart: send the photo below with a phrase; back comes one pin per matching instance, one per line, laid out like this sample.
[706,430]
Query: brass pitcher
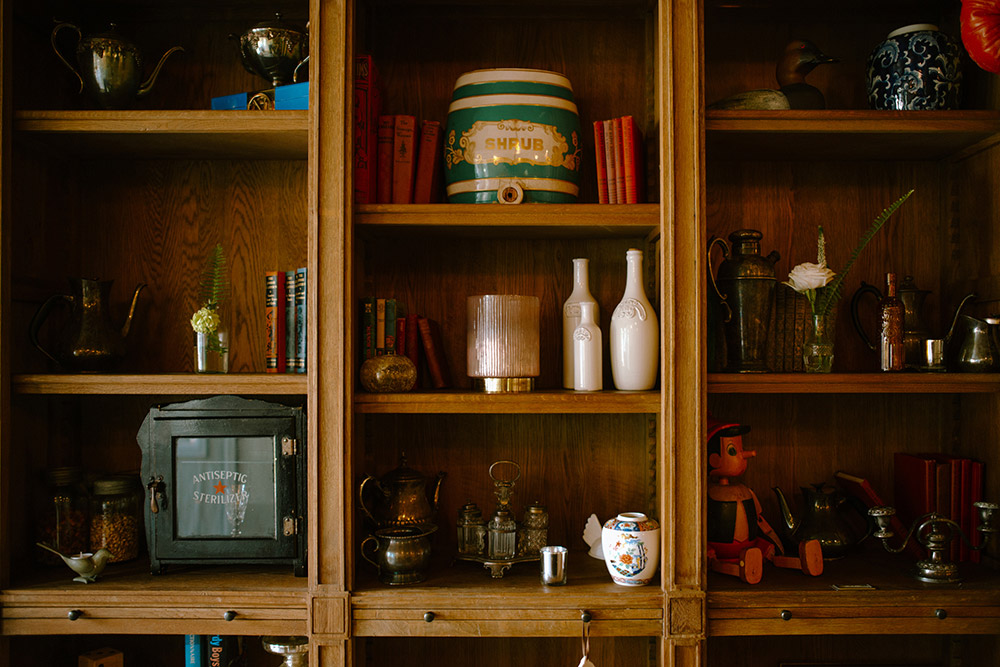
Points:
[824,516]
[745,285]
[401,498]
[109,68]
[90,341]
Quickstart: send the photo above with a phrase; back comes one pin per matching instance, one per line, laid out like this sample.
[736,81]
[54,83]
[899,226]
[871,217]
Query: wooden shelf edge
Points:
[171,121]
[831,121]
[166,383]
[853,383]
[537,402]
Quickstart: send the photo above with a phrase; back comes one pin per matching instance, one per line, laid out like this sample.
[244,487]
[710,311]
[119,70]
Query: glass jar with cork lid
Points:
[114,517]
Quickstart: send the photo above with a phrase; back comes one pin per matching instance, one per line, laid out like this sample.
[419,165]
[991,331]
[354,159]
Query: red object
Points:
[437,363]
[274,321]
[861,488]
[412,345]
[428,179]
[619,158]
[403,159]
[366,110]
[914,478]
[609,159]
[386,132]
[600,162]
[400,335]
[632,145]
[981,32]
[975,495]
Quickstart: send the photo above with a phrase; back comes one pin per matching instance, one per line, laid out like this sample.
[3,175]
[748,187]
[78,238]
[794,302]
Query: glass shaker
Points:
[534,530]
[471,530]
[114,517]
[63,517]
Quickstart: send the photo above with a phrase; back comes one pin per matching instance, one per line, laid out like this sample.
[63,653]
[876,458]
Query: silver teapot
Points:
[109,67]
[274,50]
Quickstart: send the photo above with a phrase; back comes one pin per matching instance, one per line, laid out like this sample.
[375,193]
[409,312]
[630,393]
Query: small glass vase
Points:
[211,352]
[817,349]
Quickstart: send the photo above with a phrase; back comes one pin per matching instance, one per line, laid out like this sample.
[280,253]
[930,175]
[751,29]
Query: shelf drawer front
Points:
[852,620]
[452,622]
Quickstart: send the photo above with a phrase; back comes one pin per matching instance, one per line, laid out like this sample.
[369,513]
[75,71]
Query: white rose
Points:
[809,276]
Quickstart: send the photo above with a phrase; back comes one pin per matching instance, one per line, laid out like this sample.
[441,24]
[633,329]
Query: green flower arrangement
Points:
[212,291]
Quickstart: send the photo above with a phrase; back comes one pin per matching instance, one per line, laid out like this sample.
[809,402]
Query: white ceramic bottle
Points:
[571,315]
[635,333]
[587,361]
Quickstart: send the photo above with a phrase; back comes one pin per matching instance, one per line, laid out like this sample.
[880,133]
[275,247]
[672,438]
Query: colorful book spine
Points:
[367,328]
[194,651]
[599,162]
[389,345]
[291,360]
[609,159]
[274,321]
[427,183]
[366,102]
[403,149]
[386,134]
[301,325]
[379,326]
[437,363]
[222,651]
[619,159]
[632,159]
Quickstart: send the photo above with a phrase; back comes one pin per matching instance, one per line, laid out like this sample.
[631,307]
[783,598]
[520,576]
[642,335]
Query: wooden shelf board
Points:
[897,604]
[165,383]
[853,383]
[846,134]
[540,220]
[253,135]
[536,402]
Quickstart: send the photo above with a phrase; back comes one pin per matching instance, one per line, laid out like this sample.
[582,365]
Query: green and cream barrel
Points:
[513,135]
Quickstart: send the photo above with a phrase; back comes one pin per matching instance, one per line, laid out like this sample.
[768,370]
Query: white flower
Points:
[205,320]
[809,276]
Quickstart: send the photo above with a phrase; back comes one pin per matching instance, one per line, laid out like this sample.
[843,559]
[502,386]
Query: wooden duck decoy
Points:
[798,59]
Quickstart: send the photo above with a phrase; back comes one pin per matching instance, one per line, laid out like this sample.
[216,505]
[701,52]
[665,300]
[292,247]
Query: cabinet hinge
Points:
[289,446]
[290,526]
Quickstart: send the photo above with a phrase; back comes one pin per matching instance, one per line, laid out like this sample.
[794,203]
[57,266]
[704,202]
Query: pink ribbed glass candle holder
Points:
[503,342]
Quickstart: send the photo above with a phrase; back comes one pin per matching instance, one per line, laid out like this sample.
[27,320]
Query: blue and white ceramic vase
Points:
[631,543]
[917,67]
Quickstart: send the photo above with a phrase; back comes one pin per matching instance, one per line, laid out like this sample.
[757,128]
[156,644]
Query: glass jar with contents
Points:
[114,517]
[534,530]
[63,519]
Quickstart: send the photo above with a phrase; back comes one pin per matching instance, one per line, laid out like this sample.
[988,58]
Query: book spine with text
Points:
[274,321]
[386,134]
[365,129]
[301,328]
[403,148]
[367,328]
[194,651]
[379,326]
[291,361]
[599,162]
[427,183]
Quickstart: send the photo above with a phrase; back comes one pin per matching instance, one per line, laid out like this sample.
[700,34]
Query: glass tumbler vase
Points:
[211,352]
[817,348]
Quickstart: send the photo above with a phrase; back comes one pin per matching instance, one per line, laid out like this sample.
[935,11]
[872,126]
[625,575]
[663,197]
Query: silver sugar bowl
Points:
[275,50]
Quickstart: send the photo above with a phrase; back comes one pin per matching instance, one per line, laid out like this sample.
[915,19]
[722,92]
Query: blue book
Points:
[291,344]
[194,651]
[300,320]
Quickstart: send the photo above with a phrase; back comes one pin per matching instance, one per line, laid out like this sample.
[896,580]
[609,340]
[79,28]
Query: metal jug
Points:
[401,553]
[401,499]
[972,344]
[823,517]
[109,67]
[745,285]
[90,341]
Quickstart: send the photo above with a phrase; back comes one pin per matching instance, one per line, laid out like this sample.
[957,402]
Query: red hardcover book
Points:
[428,179]
[619,158]
[861,488]
[600,163]
[632,152]
[386,134]
[379,327]
[400,335]
[403,159]
[609,159]
[413,346]
[437,363]
[914,478]
[274,321]
[952,509]
[965,515]
[366,103]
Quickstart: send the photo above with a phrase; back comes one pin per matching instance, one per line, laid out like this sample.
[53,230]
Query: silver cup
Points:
[553,565]
[934,355]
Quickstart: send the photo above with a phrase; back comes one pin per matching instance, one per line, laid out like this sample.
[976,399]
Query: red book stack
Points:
[618,160]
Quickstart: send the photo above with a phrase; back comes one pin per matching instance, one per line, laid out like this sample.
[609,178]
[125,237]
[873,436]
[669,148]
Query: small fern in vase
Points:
[822,287]
[211,339]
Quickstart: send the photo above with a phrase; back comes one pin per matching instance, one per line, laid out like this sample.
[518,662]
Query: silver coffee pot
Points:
[109,67]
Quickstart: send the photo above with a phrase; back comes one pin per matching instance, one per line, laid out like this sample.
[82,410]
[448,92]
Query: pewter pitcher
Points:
[109,68]
[825,516]
[90,340]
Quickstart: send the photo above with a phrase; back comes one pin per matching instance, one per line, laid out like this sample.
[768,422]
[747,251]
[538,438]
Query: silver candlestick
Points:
[935,532]
[295,650]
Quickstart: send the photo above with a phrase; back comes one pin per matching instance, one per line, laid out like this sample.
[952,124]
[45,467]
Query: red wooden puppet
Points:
[739,538]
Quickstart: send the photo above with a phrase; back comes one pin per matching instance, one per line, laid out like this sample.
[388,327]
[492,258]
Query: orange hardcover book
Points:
[386,135]
[619,159]
[632,153]
[428,179]
[403,159]
[862,489]
[437,363]
[366,111]
[599,162]
[274,321]
[609,159]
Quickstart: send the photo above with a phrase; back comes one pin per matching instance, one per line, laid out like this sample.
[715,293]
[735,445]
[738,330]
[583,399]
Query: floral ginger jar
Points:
[631,543]
[916,67]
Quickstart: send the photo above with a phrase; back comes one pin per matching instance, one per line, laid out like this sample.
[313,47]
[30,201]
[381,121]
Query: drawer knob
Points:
[429,616]
[941,613]
[229,615]
[785,615]
[74,614]
[585,616]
